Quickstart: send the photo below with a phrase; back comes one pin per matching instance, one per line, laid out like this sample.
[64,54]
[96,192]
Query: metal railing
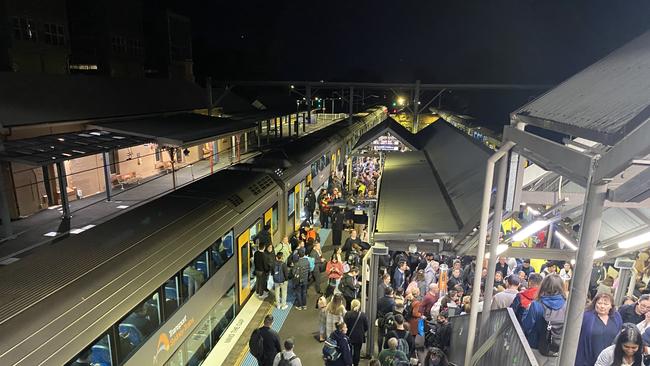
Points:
[505,346]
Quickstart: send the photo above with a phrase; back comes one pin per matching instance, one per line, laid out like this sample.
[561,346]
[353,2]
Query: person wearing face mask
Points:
[600,325]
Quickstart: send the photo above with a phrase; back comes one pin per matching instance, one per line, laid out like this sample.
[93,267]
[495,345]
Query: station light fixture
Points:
[401,100]
[293,87]
[533,211]
[635,241]
[501,248]
[566,241]
[599,254]
[530,230]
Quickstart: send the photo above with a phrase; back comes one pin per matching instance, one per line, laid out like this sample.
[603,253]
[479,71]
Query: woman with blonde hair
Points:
[357,323]
[321,305]
[334,313]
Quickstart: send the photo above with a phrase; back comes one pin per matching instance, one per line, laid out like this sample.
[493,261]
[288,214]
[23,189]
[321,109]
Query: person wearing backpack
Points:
[385,306]
[280,281]
[522,301]
[264,343]
[287,357]
[301,271]
[404,337]
[391,356]
[310,204]
[544,322]
[357,323]
[336,349]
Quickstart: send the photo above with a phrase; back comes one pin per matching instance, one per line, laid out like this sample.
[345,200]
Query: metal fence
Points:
[506,345]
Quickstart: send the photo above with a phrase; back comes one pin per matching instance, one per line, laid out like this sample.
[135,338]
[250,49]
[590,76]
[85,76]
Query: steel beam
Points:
[339,85]
[107,175]
[589,232]
[550,155]
[636,189]
[63,189]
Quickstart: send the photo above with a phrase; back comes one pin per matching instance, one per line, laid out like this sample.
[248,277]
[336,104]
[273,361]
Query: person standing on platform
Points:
[391,355]
[280,281]
[270,343]
[352,243]
[310,204]
[301,271]
[385,282]
[335,313]
[334,270]
[430,299]
[342,344]
[287,354]
[635,313]
[260,262]
[350,286]
[338,224]
[601,323]
[319,266]
[505,298]
[385,305]
[399,277]
[284,247]
[264,237]
[324,210]
[357,323]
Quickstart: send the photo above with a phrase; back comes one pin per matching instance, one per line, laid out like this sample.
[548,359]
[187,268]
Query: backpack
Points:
[301,271]
[549,345]
[402,344]
[256,344]
[331,350]
[284,361]
[278,274]
[387,321]
[408,310]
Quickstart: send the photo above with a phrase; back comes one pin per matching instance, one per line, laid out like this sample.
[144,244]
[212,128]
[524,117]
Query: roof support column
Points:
[48,185]
[371,304]
[589,232]
[304,120]
[516,178]
[107,175]
[309,105]
[281,122]
[7,230]
[63,189]
[480,255]
[416,107]
[494,242]
[351,100]
[297,124]
[268,130]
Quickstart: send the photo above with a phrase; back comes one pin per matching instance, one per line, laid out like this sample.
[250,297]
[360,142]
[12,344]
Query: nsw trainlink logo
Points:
[168,339]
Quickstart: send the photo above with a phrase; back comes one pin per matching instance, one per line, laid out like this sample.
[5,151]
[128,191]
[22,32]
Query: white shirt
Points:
[287,356]
[606,358]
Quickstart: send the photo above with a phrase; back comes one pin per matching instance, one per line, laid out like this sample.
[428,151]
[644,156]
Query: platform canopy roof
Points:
[388,126]
[605,102]
[431,193]
[179,130]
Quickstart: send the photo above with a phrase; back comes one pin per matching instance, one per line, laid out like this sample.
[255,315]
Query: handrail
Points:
[507,344]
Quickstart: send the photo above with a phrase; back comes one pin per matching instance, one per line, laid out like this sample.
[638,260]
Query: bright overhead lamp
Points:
[599,254]
[637,240]
[533,211]
[530,229]
[501,248]
[566,241]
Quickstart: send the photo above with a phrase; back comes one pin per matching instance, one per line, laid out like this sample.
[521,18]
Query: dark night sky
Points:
[516,41]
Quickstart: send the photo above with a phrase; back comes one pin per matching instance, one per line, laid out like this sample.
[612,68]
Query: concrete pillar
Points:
[107,175]
[63,188]
[592,215]
[494,242]
[233,146]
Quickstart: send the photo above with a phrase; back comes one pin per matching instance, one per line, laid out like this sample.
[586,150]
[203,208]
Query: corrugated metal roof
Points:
[410,200]
[39,98]
[601,102]
[183,129]
[389,125]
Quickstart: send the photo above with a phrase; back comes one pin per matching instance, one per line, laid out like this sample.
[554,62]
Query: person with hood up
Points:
[550,300]
[522,301]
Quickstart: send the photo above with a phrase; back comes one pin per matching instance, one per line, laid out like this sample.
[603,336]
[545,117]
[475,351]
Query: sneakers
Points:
[284,307]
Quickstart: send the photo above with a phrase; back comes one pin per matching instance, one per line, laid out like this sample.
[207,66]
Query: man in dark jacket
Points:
[310,204]
[343,345]
[319,263]
[385,305]
[357,323]
[261,269]
[264,236]
[635,313]
[280,281]
[271,341]
[349,286]
[338,224]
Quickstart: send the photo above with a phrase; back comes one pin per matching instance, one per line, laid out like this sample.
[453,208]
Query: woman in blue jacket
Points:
[550,297]
[600,325]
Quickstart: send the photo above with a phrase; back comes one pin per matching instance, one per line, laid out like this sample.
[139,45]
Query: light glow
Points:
[599,254]
[530,229]
[533,211]
[633,242]
[501,248]
[566,241]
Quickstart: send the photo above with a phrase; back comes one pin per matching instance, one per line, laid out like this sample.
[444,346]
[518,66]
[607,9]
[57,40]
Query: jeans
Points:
[317,280]
[301,295]
[260,282]
[356,353]
[281,293]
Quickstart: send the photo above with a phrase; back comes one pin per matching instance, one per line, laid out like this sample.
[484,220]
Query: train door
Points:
[268,219]
[246,270]
[308,179]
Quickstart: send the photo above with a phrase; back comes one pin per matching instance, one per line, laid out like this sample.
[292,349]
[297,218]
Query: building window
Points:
[53,34]
[24,29]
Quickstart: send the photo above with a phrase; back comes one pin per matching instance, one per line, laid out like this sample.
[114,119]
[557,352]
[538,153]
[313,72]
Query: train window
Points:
[255,228]
[274,218]
[98,353]
[194,274]
[177,359]
[172,298]
[314,169]
[228,241]
[290,203]
[136,327]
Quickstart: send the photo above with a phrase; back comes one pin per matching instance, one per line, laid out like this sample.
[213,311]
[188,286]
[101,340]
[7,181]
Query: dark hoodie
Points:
[343,343]
[533,323]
